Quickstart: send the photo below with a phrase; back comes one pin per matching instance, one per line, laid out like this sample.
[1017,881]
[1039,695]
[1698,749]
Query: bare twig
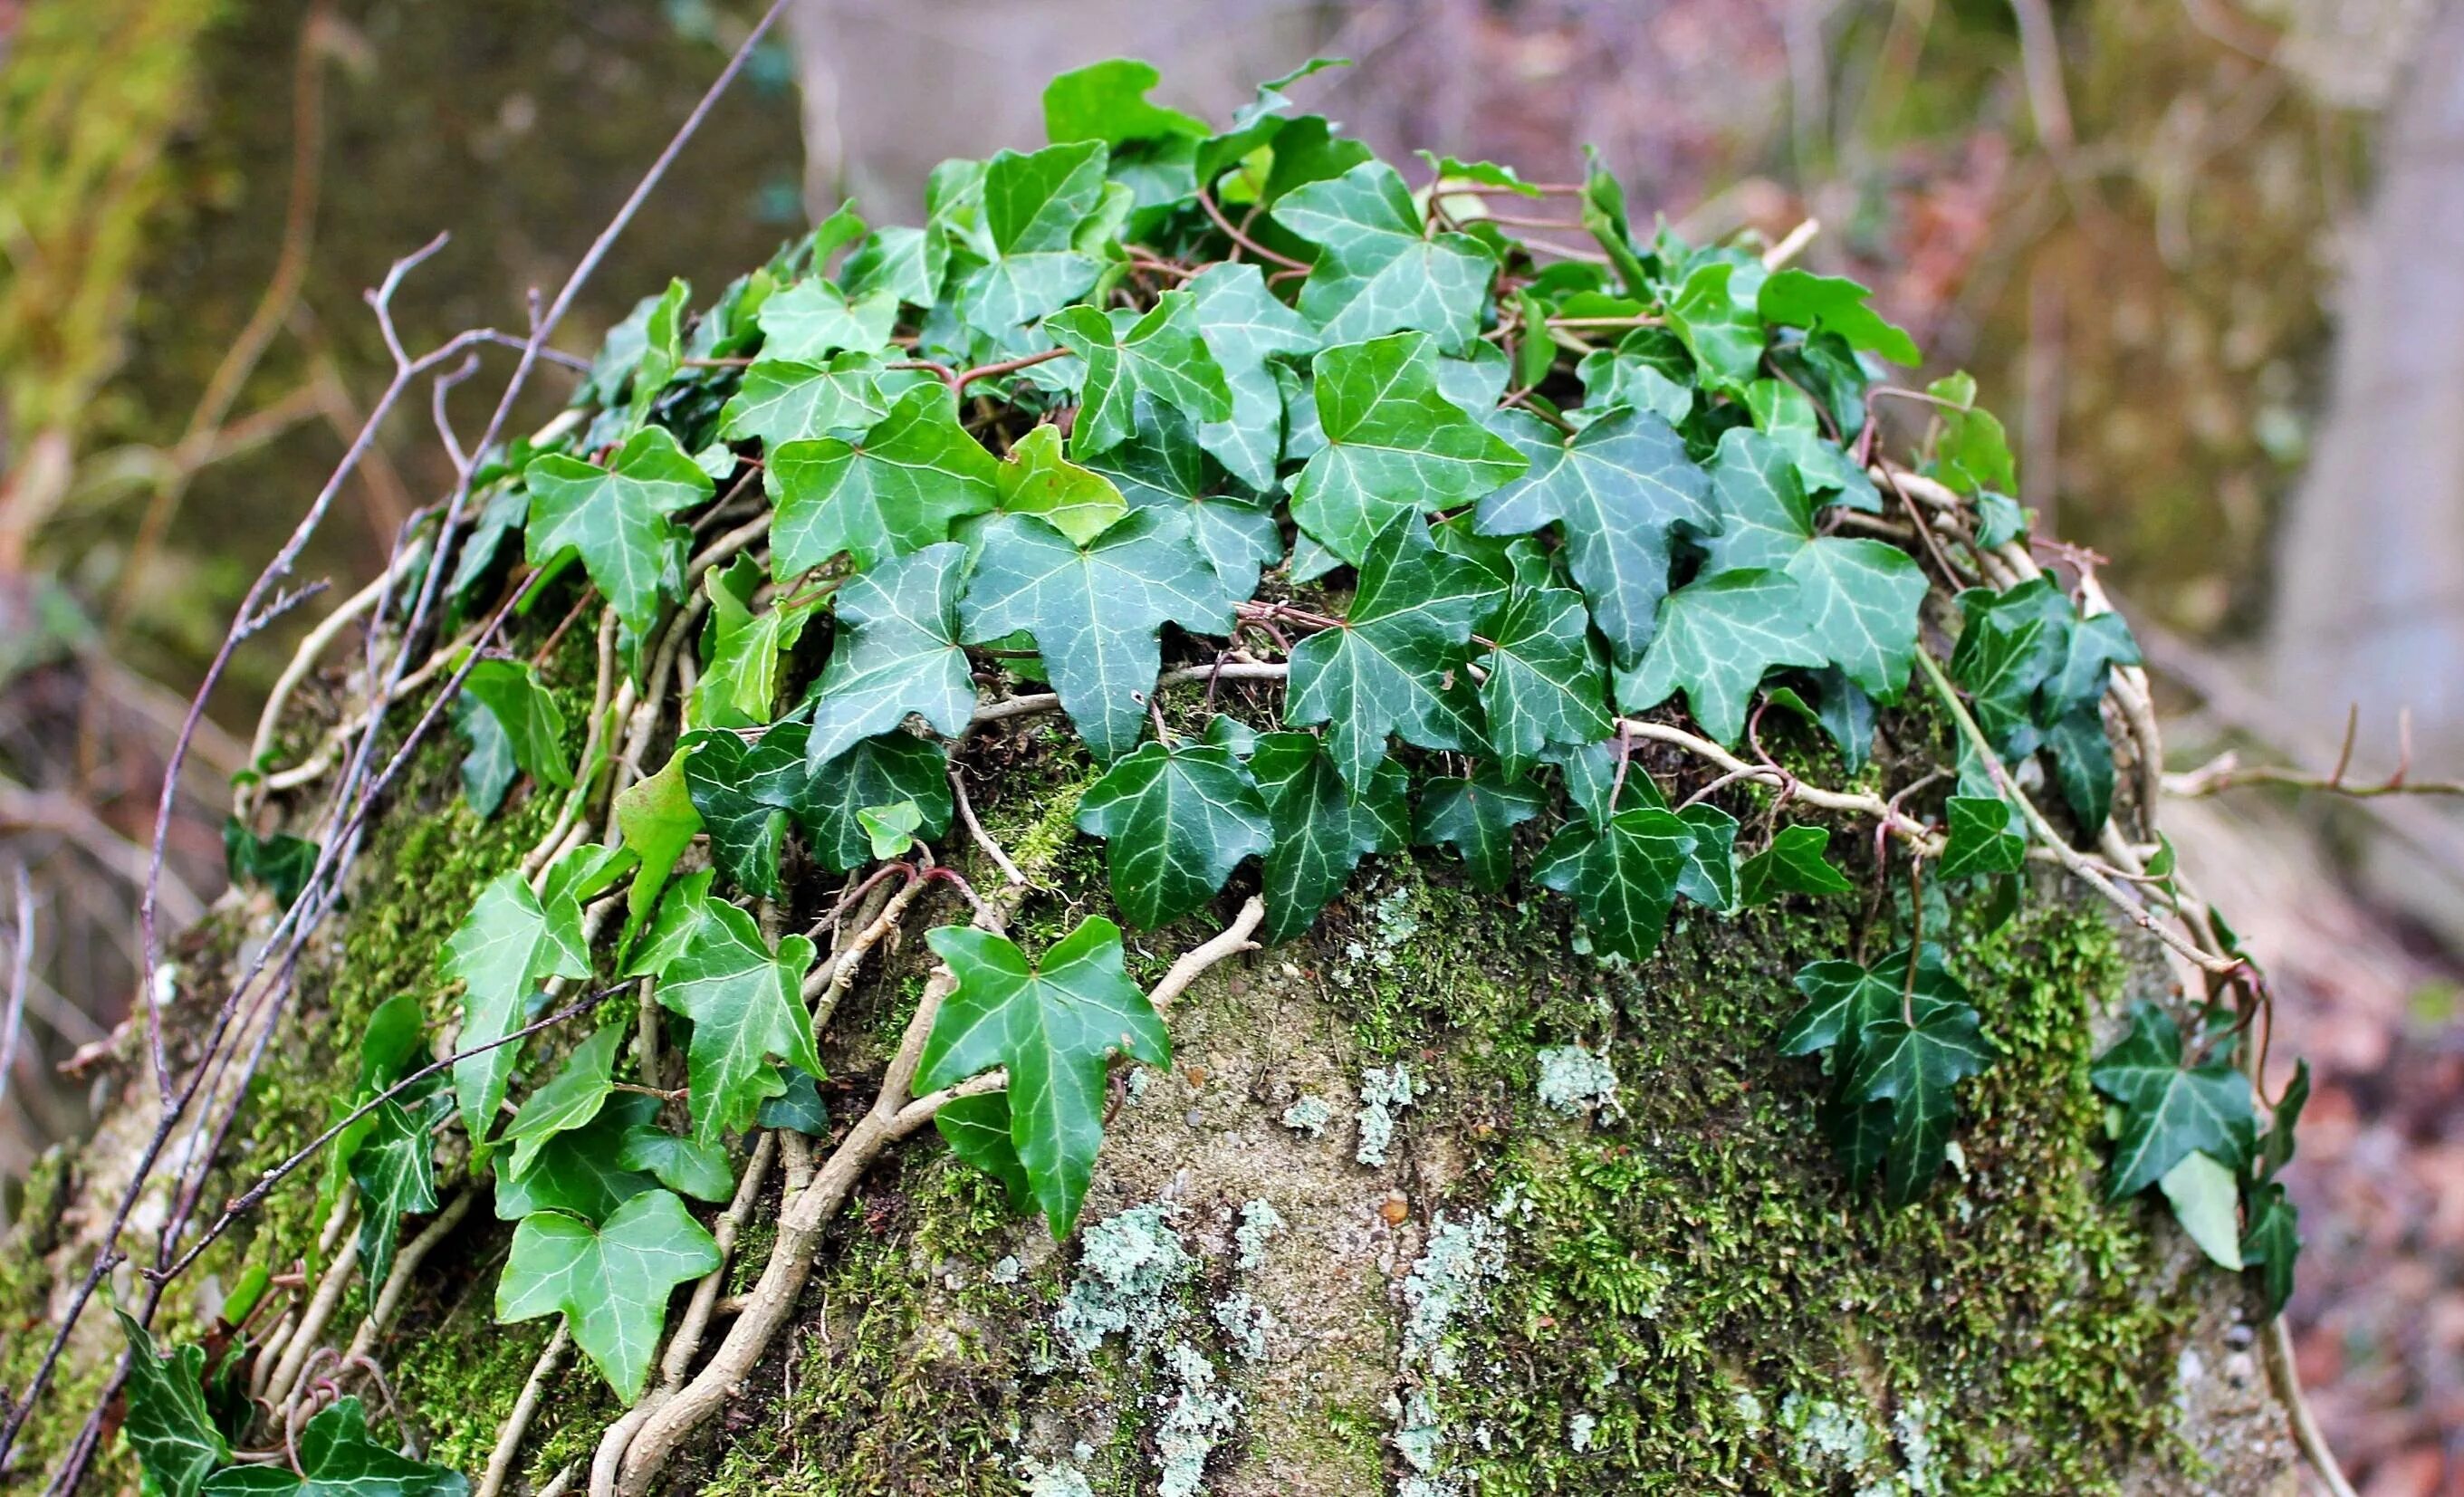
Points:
[21,976]
[976,828]
[518,1424]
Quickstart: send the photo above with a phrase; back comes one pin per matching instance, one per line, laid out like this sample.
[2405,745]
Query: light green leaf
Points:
[788,400]
[1178,819]
[895,490]
[1055,1025]
[395,1169]
[1726,339]
[526,715]
[337,1459]
[616,520]
[978,1131]
[656,819]
[1794,297]
[2206,1200]
[811,321]
[1033,207]
[742,650]
[1094,610]
[747,1005]
[611,1282]
[508,944]
[1036,479]
[1393,444]
[569,1100]
[891,828]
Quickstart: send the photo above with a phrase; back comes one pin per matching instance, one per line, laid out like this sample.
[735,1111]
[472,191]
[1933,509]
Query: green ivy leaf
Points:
[688,1166]
[2009,645]
[337,1459]
[1793,864]
[1107,101]
[508,943]
[746,795]
[1244,326]
[1717,636]
[579,1173]
[891,828]
[1623,874]
[1710,875]
[1162,466]
[793,399]
[1377,269]
[2206,1200]
[1036,479]
[1477,818]
[1161,354]
[656,820]
[488,770]
[1981,838]
[526,713]
[569,1100]
[812,319]
[1055,1025]
[978,1131]
[1829,303]
[798,1107]
[878,771]
[2273,1243]
[1725,339]
[1617,492]
[2170,1108]
[1648,369]
[894,490]
[1178,819]
[616,520]
[741,649]
[395,1169]
[1322,826]
[1843,1000]
[167,1424]
[1546,680]
[746,1004]
[896,654]
[611,1282]
[1970,452]
[1393,444]
[1915,1067]
[1033,206]
[280,862]
[1094,610]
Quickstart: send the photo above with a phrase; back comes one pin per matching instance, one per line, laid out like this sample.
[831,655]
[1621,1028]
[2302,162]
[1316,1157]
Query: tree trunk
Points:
[1521,1291]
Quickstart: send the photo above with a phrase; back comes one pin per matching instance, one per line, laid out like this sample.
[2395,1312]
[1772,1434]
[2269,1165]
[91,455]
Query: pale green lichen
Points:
[1129,1265]
[1309,1116]
[1580,1429]
[1245,1322]
[1199,1418]
[1260,1222]
[1448,1282]
[1384,1092]
[1575,1081]
[1055,1481]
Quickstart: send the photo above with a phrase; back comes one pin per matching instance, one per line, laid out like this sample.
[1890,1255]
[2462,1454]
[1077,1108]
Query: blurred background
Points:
[2206,257]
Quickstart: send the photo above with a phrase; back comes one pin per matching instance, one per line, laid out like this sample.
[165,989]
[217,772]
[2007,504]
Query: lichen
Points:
[1574,1080]
[1199,1417]
[1128,1266]
[1245,1323]
[1260,1222]
[1384,1092]
[1309,1116]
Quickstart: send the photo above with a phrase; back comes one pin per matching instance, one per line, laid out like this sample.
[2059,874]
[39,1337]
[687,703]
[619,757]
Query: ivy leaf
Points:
[578,1172]
[280,862]
[740,649]
[1094,610]
[792,400]
[1717,636]
[1914,1067]
[1710,875]
[1245,325]
[2276,1145]
[488,770]
[1860,597]
[395,1169]
[569,1100]
[1322,826]
[746,794]
[798,1107]
[1648,369]
[656,820]
[906,261]
[1393,444]
[1590,776]
[1162,466]
[1377,269]
[1382,670]
[1623,874]
[1725,339]
[1033,206]
[1162,355]
[526,713]
[878,771]
[508,944]
[1107,101]
[2170,1108]
[167,1423]
[891,828]
[1477,818]
[611,1282]
[1604,216]
[1547,682]
[2206,1200]
[1178,820]
[1617,492]
[1055,1025]
[896,653]
[894,490]
[812,319]
[1793,864]
[1843,1000]
[1036,479]
[2009,645]
[1970,452]
[337,1459]
[616,520]
[687,1166]
[747,1005]
[1833,304]
[2273,1243]
[1981,839]
[978,1131]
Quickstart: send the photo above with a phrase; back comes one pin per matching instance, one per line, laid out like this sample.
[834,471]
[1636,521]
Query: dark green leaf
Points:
[1547,680]
[1793,864]
[1622,875]
[877,771]
[688,1166]
[1162,466]
[577,1173]
[747,1005]
[569,1100]
[167,1424]
[1033,206]
[1244,326]
[800,1108]
[1476,818]
[2273,1243]
[2170,1108]
[1161,355]
[1915,1067]
[1726,339]
[1178,820]
[895,490]
[1322,828]
[337,1459]
[1710,875]
[896,653]
[1717,636]
[978,1131]
[1981,838]
[1378,270]
[280,862]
